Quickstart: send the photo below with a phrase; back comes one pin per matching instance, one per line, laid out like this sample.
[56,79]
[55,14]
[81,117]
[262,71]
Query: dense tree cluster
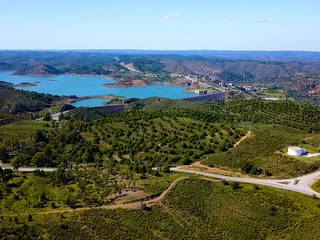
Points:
[19,101]
[287,113]
[137,139]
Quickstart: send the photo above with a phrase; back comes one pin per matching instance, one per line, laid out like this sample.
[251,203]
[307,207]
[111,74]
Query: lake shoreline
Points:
[117,84]
[26,84]
[78,87]
[140,83]
[111,96]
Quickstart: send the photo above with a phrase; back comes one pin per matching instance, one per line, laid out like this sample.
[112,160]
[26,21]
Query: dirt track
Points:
[132,205]
[243,138]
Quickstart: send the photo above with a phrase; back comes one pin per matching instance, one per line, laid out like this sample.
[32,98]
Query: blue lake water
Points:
[93,102]
[91,86]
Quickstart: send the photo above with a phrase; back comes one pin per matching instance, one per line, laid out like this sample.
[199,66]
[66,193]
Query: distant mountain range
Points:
[294,71]
[283,56]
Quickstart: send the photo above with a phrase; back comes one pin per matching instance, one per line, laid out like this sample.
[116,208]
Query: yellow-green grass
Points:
[25,191]
[316,186]
[272,94]
[22,130]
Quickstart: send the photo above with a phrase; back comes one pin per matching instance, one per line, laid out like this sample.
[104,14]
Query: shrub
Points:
[225,182]
[47,116]
[255,187]
[235,185]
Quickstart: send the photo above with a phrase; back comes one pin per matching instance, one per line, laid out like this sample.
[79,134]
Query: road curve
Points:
[300,184]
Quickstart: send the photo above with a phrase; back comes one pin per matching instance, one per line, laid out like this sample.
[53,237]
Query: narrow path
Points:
[132,205]
[158,199]
[198,166]
[243,138]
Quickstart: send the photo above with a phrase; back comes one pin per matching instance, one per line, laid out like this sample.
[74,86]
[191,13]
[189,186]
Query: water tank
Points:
[296,151]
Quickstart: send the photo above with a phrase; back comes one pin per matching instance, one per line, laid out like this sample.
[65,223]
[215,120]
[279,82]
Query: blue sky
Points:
[161,24]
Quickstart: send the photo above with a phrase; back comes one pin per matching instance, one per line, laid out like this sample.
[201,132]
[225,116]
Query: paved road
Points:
[300,184]
[28,169]
[55,116]
[203,84]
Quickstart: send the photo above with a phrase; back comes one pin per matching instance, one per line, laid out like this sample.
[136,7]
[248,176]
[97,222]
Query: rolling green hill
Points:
[19,101]
[194,209]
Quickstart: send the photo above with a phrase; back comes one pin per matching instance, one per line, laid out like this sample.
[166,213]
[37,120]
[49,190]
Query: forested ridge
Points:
[20,101]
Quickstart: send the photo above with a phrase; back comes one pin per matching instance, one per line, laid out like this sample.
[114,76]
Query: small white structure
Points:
[296,151]
[202,92]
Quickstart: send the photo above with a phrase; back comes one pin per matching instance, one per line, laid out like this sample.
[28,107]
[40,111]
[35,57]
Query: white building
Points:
[202,92]
[296,151]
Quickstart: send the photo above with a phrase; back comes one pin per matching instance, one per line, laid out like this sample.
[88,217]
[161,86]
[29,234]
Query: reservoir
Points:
[81,86]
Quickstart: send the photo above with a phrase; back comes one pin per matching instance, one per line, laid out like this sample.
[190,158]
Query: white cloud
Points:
[170,14]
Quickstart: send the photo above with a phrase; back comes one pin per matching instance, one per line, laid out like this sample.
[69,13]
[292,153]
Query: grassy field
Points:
[271,93]
[22,130]
[29,193]
[194,209]
[264,153]
[316,186]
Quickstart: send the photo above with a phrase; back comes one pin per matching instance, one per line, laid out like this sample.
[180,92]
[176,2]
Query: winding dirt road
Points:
[131,205]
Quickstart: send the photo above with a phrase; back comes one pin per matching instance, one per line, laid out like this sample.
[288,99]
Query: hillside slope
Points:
[38,70]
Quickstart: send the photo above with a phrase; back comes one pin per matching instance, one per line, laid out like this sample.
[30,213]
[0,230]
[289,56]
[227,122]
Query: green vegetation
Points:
[156,103]
[140,140]
[196,209]
[316,186]
[264,153]
[37,70]
[286,113]
[93,186]
[85,114]
[271,93]
[19,101]
[104,160]
[21,132]
[163,137]
[55,108]
[40,192]
[109,159]
[299,79]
